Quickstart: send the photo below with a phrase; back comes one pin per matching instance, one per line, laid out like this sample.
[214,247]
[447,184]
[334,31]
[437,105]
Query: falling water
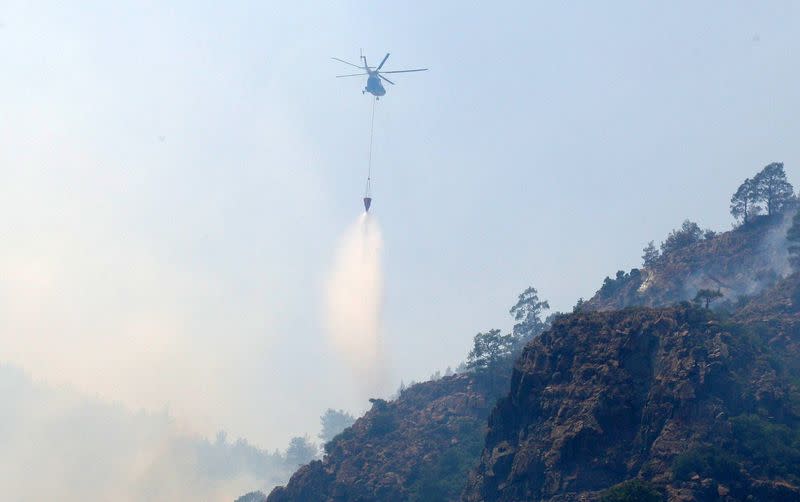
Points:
[353,300]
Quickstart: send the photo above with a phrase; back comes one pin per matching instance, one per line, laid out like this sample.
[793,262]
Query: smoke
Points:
[61,445]
[353,298]
[775,247]
[759,265]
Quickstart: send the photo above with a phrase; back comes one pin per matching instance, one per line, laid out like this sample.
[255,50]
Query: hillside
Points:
[418,447]
[636,390]
[670,395]
[739,262]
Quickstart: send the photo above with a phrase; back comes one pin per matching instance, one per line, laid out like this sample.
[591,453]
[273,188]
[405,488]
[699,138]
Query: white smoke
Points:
[61,445]
[353,299]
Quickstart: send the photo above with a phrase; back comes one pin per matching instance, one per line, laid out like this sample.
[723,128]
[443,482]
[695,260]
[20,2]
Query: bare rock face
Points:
[608,396]
[385,454]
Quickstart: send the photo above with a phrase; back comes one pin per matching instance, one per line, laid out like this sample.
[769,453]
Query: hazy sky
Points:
[174,178]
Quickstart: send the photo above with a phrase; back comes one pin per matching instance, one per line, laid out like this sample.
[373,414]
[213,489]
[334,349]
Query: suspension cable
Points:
[371,133]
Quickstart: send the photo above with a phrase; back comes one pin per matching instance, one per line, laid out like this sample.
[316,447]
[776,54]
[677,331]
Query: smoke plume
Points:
[354,297]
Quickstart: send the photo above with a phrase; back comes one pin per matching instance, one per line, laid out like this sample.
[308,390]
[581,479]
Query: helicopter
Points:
[374,85]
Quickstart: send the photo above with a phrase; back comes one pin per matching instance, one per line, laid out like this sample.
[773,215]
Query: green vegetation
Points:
[527,313]
[744,203]
[491,357]
[300,451]
[766,449]
[634,490]
[443,479]
[383,420]
[772,188]
[689,233]
[708,462]
[773,449]
[493,354]
[707,296]
[650,255]
[611,286]
[252,497]
[333,422]
[769,187]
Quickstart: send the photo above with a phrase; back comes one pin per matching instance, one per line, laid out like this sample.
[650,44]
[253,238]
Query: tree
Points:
[772,188]
[222,438]
[793,236]
[707,296]
[333,422]
[744,203]
[611,286]
[488,350]
[252,497]
[491,352]
[649,255]
[300,452]
[688,234]
[528,314]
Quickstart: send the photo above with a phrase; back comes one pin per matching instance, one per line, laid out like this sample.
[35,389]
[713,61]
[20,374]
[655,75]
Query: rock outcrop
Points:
[389,453]
[608,396]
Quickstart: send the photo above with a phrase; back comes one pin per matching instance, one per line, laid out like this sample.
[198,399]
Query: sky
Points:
[174,179]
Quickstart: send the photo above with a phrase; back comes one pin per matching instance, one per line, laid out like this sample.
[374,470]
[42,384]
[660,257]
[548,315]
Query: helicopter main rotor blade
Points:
[405,71]
[352,75]
[351,64]
[386,79]
[384,60]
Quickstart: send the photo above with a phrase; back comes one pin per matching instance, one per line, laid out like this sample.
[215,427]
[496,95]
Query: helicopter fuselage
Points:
[374,85]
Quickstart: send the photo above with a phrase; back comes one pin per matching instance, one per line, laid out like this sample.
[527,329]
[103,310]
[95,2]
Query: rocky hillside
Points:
[639,395]
[739,263]
[671,396]
[418,447]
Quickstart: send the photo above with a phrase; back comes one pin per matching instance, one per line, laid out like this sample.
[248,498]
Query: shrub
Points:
[443,478]
[709,462]
[688,234]
[611,286]
[773,449]
[633,490]
[382,423]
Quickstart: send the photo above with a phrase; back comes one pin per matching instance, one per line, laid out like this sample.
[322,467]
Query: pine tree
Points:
[333,422]
[772,188]
[491,354]
[707,296]
[744,203]
[528,313]
[649,255]
[689,233]
[300,451]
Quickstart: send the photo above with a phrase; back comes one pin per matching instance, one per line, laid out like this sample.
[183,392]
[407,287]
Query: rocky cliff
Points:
[638,394]
[418,447]
[671,396]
